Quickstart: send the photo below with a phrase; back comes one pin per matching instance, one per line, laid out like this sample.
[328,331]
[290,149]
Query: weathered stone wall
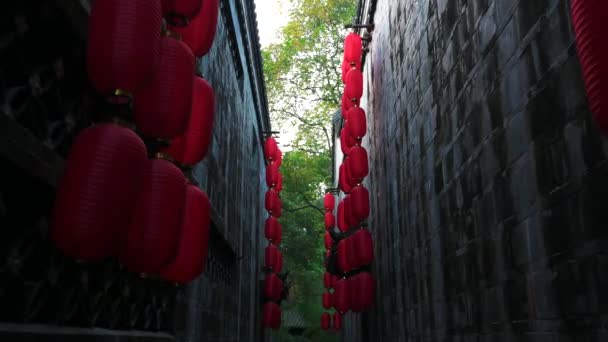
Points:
[488,176]
[46,100]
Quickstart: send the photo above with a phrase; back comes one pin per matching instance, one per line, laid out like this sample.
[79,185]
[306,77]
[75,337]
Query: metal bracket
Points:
[369,27]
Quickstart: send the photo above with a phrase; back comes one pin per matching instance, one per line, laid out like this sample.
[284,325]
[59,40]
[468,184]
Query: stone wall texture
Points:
[487,173]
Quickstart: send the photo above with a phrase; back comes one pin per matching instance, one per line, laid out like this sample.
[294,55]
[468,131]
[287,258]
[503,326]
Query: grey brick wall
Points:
[488,176]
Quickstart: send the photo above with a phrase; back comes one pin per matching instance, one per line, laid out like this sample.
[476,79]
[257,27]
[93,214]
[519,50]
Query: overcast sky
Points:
[272,15]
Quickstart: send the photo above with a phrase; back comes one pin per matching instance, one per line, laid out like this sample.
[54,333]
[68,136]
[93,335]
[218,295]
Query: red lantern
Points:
[342,225]
[271,315]
[271,260]
[271,201]
[342,296]
[346,142]
[199,34]
[329,202]
[194,239]
[330,220]
[124,48]
[279,210]
[346,67]
[327,304]
[279,266]
[272,175]
[351,220]
[347,104]
[357,124]
[279,159]
[344,253]
[589,21]
[162,109]
[364,246]
[192,147]
[273,287]
[354,85]
[343,182]
[279,186]
[358,163]
[360,203]
[153,236]
[325,321]
[364,288]
[101,181]
[328,241]
[273,230]
[180,12]
[271,149]
[353,48]
[328,280]
[337,321]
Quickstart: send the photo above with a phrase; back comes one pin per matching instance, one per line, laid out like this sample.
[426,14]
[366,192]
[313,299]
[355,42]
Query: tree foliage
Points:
[304,87]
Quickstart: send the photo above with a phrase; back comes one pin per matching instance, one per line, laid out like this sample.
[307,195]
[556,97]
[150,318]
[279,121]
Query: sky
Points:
[272,16]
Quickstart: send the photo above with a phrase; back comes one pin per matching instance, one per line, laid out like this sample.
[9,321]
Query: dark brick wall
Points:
[45,101]
[488,176]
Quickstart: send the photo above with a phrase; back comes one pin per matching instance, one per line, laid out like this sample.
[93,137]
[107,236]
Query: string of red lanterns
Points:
[273,258]
[112,200]
[349,245]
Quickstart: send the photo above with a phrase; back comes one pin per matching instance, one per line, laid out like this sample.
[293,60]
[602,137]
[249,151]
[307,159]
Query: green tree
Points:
[303,81]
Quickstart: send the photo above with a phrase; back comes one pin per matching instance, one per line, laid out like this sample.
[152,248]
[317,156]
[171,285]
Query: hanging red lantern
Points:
[273,286]
[153,236]
[358,164]
[342,225]
[347,104]
[271,201]
[337,321]
[192,147]
[329,202]
[272,175]
[162,109]
[279,266]
[346,142]
[200,33]
[327,304]
[325,321]
[100,183]
[279,209]
[351,220]
[360,203]
[353,48]
[354,85]
[364,291]
[271,149]
[271,315]
[279,186]
[344,252]
[342,296]
[589,21]
[328,280]
[179,12]
[346,67]
[330,220]
[279,159]
[271,259]
[194,239]
[343,180]
[357,123]
[328,241]
[273,230]
[122,58]
[364,245]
